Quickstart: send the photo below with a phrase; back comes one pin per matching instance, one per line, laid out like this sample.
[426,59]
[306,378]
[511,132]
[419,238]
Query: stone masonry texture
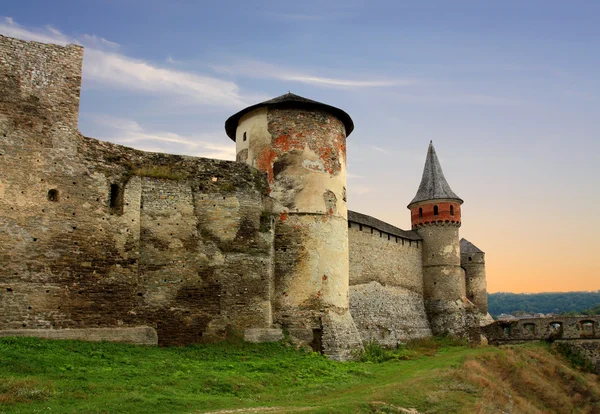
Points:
[98,235]
[475,279]
[106,242]
[386,286]
[140,335]
[303,152]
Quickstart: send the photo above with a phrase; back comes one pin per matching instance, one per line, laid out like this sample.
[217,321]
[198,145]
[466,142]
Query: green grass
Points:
[79,377]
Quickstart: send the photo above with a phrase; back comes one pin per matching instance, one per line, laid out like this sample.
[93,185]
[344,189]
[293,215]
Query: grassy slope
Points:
[69,376]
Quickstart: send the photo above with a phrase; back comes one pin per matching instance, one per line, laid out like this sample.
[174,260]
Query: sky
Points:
[509,92]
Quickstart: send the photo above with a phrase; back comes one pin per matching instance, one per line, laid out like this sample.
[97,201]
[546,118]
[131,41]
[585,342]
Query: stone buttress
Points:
[435,215]
[301,145]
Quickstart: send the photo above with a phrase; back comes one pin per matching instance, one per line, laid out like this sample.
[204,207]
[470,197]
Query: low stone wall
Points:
[588,350]
[141,335]
[535,329]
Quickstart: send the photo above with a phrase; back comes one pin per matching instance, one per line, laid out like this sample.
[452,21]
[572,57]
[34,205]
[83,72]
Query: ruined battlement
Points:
[40,83]
[537,329]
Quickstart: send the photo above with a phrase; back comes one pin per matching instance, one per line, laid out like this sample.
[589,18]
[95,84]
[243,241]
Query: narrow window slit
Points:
[116,199]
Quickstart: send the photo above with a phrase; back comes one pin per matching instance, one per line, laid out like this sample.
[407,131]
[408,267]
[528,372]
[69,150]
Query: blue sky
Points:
[509,92]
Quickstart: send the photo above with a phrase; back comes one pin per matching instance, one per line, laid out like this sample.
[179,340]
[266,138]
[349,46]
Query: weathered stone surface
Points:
[95,235]
[257,335]
[303,152]
[390,260]
[99,235]
[588,350]
[140,335]
[472,260]
[341,340]
[388,315]
[386,285]
[443,280]
[580,335]
[536,329]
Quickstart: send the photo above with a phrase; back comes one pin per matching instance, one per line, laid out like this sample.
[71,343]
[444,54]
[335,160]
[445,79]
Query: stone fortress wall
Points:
[98,235]
[95,235]
[386,281]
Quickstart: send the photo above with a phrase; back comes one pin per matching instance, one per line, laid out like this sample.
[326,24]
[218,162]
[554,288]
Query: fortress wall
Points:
[206,255]
[386,285]
[94,234]
[378,256]
[67,261]
[188,252]
[40,83]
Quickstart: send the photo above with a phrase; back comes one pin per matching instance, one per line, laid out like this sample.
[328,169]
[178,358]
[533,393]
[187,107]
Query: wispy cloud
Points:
[379,149]
[48,34]
[130,133]
[105,66]
[99,42]
[458,98]
[121,71]
[262,70]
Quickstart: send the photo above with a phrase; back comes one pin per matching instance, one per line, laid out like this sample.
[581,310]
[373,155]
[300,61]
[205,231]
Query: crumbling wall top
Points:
[39,81]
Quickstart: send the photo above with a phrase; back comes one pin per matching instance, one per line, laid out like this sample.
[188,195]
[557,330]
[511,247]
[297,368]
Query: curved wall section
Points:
[435,211]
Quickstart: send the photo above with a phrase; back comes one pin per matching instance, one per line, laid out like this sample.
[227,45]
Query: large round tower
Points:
[435,215]
[301,145]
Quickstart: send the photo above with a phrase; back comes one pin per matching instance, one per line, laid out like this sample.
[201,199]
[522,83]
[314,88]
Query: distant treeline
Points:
[562,302]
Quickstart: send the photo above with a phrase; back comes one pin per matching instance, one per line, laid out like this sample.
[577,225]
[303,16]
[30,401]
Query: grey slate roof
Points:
[289,100]
[433,184]
[468,247]
[360,218]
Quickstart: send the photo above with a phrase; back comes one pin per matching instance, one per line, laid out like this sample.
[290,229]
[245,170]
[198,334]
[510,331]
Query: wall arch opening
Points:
[529,329]
[556,329]
[586,328]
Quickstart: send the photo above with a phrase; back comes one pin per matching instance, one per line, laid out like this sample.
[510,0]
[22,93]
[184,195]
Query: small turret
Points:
[435,215]
[435,201]
[472,259]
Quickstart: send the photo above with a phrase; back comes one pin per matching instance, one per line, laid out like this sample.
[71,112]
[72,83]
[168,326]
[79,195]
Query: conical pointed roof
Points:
[289,100]
[468,247]
[433,184]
